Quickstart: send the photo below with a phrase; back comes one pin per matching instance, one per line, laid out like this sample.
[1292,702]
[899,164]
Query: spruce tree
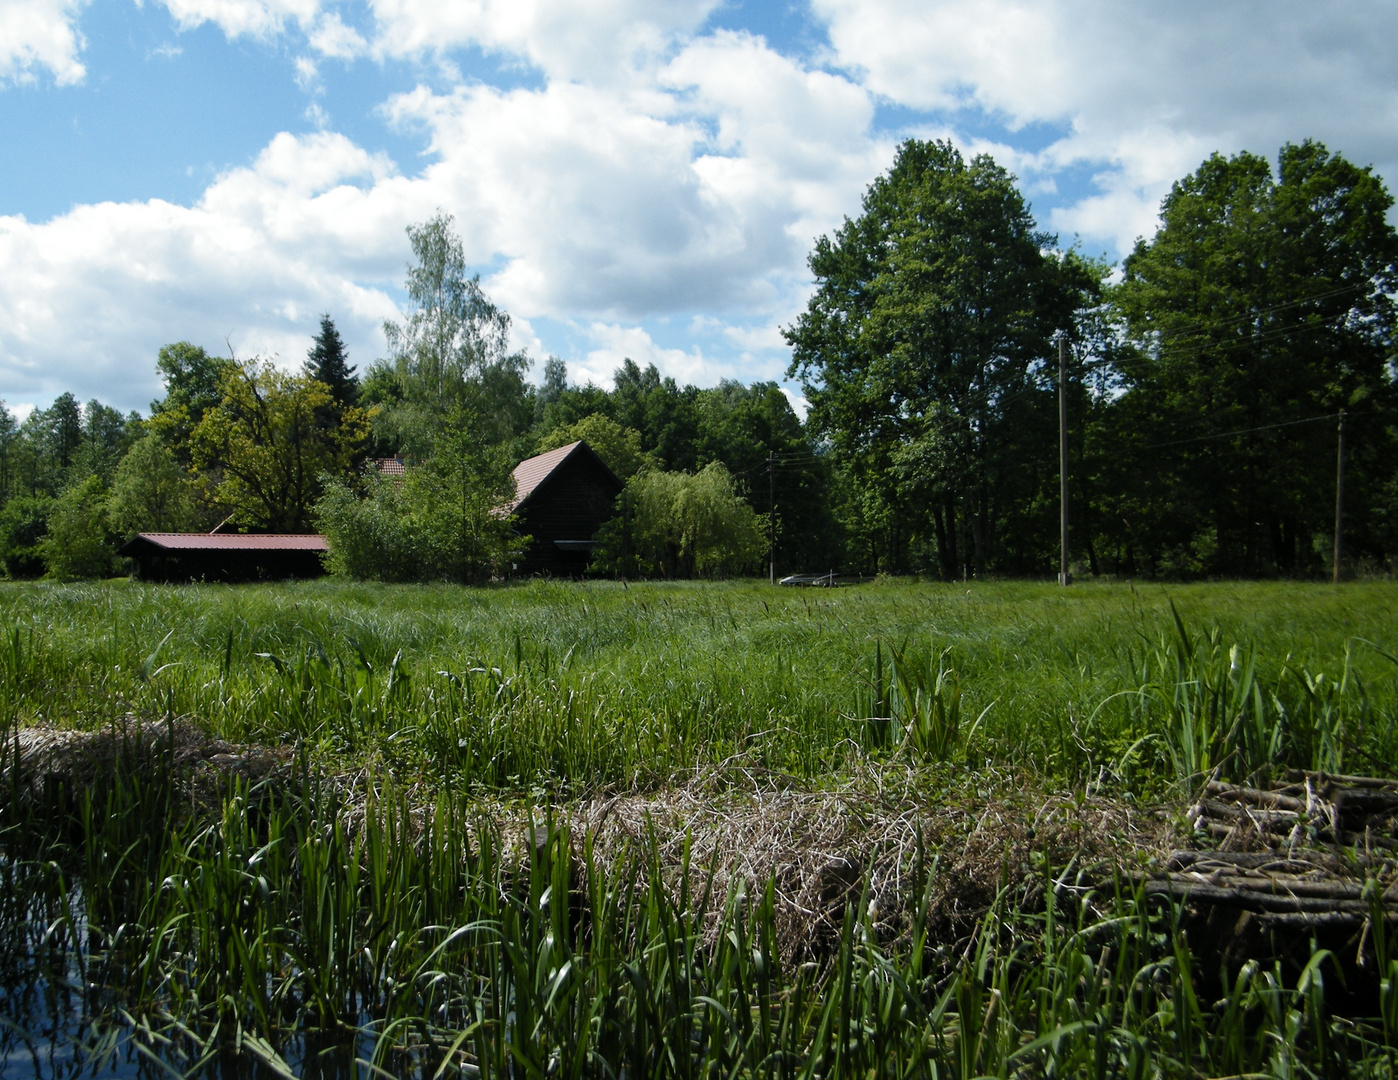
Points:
[328,361]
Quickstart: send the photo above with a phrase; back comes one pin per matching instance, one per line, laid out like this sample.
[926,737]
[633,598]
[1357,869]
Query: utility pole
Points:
[1339,494]
[1064,577]
[772,516]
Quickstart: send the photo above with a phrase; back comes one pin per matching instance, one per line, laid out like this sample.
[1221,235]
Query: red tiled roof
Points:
[391,466]
[236,541]
[531,472]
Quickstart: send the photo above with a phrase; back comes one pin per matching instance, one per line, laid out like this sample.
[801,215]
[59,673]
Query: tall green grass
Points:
[412,944]
[578,686]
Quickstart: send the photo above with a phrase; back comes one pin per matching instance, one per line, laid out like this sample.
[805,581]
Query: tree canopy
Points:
[922,352]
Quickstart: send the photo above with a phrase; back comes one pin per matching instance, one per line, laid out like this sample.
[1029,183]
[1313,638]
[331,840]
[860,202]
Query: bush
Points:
[78,543]
[440,522]
[373,538]
[23,523]
[681,525]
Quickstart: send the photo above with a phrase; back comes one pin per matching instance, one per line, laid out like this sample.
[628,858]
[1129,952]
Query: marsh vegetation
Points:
[497,831]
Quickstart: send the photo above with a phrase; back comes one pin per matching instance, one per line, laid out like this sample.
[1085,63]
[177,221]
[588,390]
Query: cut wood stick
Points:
[1300,776]
[1181,859]
[1255,796]
[1251,899]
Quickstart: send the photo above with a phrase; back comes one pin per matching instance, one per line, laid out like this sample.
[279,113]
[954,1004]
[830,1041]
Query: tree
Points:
[923,353]
[450,358]
[193,384]
[262,450]
[9,438]
[23,523]
[150,492]
[1263,302]
[681,525]
[77,543]
[328,363]
[619,447]
[554,386]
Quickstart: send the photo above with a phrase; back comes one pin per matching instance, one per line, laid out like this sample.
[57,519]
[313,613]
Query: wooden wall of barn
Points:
[571,504]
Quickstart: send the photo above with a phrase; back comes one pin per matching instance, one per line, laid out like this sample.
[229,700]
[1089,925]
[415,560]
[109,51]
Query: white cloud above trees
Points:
[640,165]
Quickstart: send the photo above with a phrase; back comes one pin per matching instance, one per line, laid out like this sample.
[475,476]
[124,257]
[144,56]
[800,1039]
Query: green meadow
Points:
[578,687]
[354,913]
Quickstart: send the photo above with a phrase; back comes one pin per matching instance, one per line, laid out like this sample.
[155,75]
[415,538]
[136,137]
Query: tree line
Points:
[1204,380]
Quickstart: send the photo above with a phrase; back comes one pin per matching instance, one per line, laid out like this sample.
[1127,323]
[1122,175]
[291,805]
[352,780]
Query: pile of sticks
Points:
[1309,851]
[1301,808]
[1301,890]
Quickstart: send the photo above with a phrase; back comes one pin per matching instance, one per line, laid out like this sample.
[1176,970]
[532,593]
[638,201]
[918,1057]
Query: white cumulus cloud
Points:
[593,40]
[87,298]
[1142,92]
[239,18]
[40,35]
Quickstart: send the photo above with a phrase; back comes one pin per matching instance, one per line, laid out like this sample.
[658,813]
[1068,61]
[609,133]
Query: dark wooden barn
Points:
[562,498]
[224,556]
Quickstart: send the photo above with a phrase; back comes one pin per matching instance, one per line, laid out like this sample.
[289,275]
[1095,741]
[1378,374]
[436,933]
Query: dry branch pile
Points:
[1310,851]
[1303,807]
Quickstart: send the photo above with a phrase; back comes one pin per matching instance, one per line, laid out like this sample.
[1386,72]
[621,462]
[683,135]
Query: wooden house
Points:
[562,497]
[224,556]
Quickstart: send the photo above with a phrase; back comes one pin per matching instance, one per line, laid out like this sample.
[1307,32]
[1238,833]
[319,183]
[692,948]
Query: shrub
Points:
[23,523]
[682,525]
[78,543]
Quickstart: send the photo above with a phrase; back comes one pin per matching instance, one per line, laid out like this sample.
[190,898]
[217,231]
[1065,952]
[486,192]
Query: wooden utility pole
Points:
[772,516]
[1339,495]
[1064,577]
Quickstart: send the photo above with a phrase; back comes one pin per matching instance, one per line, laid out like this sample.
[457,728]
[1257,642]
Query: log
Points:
[1310,920]
[1252,859]
[1300,776]
[1269,820]
[1251,899]
[1256,797]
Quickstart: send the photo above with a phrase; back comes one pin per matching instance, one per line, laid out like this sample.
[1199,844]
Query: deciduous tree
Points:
[262,450]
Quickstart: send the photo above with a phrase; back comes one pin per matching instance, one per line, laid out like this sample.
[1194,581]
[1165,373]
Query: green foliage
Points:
[327,362]
[372,536]
[262,452]
[78,542]
[442,521]
[23,522]
[619,447]
[682,525]
[193,385]
[150,492]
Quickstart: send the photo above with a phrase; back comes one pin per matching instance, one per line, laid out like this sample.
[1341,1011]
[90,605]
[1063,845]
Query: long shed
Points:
[562,497]
[224,556]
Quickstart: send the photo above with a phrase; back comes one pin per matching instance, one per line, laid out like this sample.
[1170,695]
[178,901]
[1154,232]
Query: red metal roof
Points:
[236,541]
[531,472]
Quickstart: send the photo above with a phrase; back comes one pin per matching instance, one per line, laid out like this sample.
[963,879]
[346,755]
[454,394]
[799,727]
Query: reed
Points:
[586,686]
[413,944]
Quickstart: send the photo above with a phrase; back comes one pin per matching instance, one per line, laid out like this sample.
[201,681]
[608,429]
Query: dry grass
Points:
[978,832]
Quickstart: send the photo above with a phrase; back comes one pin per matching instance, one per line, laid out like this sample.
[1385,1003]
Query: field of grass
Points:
[579,687]
[310,927]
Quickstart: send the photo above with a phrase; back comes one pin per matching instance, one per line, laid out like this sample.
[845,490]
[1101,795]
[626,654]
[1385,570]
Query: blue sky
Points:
[636,178]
